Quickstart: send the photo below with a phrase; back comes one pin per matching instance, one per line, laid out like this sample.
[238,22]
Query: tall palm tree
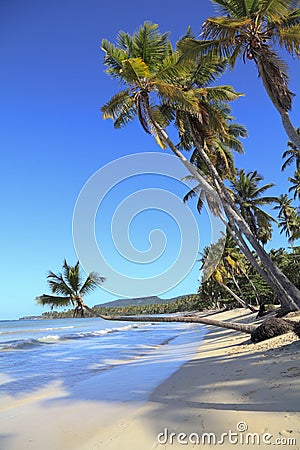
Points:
[251,29]
[289,219]
[248,196]
[292,154]
[150,71]
[71,287]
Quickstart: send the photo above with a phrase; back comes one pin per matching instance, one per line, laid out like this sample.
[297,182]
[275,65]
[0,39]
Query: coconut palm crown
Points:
[253,29]
[70,288]
[154,74]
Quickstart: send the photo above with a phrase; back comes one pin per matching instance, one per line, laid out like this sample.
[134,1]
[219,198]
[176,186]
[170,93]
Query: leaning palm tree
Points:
[150,71]
[252,29]
[71,288]
[292,154]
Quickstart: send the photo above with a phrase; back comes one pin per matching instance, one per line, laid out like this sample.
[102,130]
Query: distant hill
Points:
[138,301]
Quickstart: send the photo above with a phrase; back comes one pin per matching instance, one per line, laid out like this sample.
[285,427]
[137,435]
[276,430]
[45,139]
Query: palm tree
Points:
[228,267]
[252,28]
[292,154]
[150,70]
[289,220]
[71,288]
[295,184]
[248,196]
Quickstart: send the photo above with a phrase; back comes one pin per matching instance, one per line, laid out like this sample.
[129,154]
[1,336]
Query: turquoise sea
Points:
[131,359]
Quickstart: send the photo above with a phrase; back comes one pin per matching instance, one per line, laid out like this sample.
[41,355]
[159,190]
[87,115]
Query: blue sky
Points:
[53,138]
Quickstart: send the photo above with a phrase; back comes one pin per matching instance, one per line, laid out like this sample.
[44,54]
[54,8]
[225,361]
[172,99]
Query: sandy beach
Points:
[231,394]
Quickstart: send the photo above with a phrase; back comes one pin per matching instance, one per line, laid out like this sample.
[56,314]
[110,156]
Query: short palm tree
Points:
[248,196]
[295,180]
[292,154]
[71,287]
[231,264]
[289,219]
[252,29]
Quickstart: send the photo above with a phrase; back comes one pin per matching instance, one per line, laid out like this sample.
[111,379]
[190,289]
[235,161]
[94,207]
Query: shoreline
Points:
[228,384]
[224,383]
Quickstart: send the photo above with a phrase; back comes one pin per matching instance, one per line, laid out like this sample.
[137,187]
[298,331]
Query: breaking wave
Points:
[55,338]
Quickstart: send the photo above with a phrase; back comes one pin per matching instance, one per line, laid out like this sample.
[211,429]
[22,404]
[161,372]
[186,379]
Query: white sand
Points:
[225,384]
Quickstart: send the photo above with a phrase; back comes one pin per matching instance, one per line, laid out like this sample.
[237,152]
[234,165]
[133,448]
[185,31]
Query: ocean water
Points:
[127,359]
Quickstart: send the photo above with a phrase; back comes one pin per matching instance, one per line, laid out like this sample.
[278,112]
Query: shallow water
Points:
[130,359]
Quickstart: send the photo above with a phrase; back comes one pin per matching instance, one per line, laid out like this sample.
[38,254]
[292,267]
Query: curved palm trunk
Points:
[243,328]
[235,232]
[236,297]
[288,294]
[257,299]
[286,291]
[241,297]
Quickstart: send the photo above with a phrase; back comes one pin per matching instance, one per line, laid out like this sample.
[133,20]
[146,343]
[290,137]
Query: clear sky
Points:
[53,138]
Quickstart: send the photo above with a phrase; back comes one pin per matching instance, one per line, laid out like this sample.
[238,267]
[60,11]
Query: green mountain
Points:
[154,300]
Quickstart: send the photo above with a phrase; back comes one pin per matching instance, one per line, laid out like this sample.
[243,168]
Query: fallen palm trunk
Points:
[271,328]
[268,329]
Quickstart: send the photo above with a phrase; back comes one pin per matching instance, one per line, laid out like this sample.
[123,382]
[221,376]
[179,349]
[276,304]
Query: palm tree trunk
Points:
[289,128]
[287,292]
[243,328]
[237,298]
[285,118]
[247,305]
[235,232]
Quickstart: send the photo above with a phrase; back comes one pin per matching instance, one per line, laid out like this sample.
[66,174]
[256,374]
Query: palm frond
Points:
[171,94]
[192,193]
[113,59]
[173,68]
[72,276]
[208,69]
[58,284]
[290,39]
[114,107]
[219,93]
[55,301]
[289,160]
[133,69]
[192,49]
[276,9]
[223,29]
[93,281]
[151,45]
[237,52]
[124,41]
[235,8]
[127,113]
